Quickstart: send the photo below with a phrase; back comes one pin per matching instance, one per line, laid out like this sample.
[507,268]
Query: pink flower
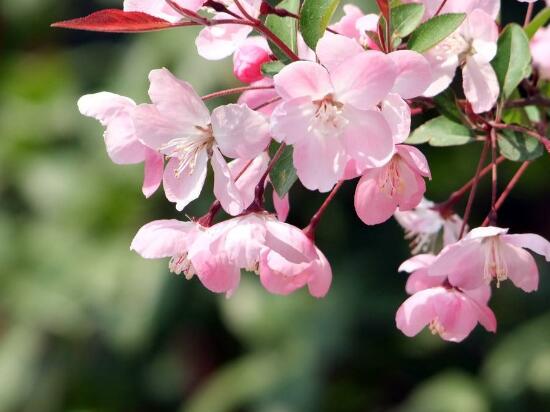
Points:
[423,225]
[449,312]
[168,238]
[262,100]
[115,113]
[472,46]
[179,126]
[249,58]
[329,114]
[283,256]
[540,50]
[491,7]
[161,9]
[488,253]
[220,41]
[419,279]
[399,184]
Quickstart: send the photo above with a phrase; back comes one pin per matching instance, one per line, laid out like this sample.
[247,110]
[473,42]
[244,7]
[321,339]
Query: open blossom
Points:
[329,114]
[423,225]
[417,267]
[472,46]
[115,113]
[398,184]
[283,256]
[249,58]
[491,7]
[449,312]
[161,8]
[488,253]
[540,50]
[179,126]
[219,41]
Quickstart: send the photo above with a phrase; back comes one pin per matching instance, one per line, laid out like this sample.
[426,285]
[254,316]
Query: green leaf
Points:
[283,175]
[435,30]
[519,147]
[270,69]
[406,18]
[446,104]
[513,59]
[286,28]
[441,132]
[315,18]
[540,20]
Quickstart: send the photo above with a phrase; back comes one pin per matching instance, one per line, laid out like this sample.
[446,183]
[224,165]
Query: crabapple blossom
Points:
[472,47]
[161,8]
[249,58]
[220,41]
[398,184]
[488,253]
[424,223]
[449,312]
[283,256]
[115,113]
[178,125]
[540,50]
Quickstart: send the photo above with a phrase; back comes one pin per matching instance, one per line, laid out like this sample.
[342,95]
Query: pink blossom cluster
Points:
[345,110]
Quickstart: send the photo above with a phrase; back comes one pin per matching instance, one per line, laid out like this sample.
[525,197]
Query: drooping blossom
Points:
[398,184]
[115,113]
[178,125]
[540,50]
[472,46]
[491,7]
[417,267]
[219,41]
[424,224]
[249,57]
[161,8]
[490,253]
[329,114]
[283,256]
[449,312]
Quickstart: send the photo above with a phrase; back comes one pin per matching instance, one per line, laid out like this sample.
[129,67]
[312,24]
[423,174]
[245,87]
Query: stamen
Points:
[436,327]
[495,265]
[180,264]
[328,117]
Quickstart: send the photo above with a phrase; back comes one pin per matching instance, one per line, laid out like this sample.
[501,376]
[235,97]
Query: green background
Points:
[88,326]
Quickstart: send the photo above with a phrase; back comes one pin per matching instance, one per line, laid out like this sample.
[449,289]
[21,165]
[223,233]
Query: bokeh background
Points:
[88,326]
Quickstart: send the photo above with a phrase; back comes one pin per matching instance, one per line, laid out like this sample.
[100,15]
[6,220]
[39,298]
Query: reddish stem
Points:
[494,177]
[543,139]
[236,90]
[513,182]
[529,14]
[258,203]
[310,229]
[440,7]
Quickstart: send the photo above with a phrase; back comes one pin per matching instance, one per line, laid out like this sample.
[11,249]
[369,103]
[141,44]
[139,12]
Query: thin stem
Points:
[260,27]
[310,229]
[265,104]
[260,188]
[194,17]
[245,13]
[494,174]
[529,14]
[529,101]
[236,90]
[473,191]
[513,182]
[543,139]
[440,7]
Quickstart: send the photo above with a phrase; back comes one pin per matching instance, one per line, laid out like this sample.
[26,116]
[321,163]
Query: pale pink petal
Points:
[320,276]
[481,28]
[274,274]
[456,315]
[347,24]
[217,272]
[163,238]
[485,231]
[291,120]
[415,159]
[443,71]
[177,100]
[480,85]
[157,8]
[521,267]
[536,243]
[247,179]
[289,242]
[251,54]
[417,311]
[365,80]
[303,79]
[417,262]
[481,294]
[368,23]
[397,113]
[411,188]
[239,131]
[373,206]
[186,187]
[367,138]
[220,41]
[420,280]
[225,188]
[282,206]
[104,106]
[154,169]
[263,101]
[334,50]
[414,74]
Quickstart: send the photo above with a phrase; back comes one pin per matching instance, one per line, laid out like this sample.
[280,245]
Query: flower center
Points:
[328,118]
[389,180]
[180,264]
[495,265]
[436,327]
[187,149]
[455,44]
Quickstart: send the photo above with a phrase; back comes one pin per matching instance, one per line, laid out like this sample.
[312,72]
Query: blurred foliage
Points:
[88,326]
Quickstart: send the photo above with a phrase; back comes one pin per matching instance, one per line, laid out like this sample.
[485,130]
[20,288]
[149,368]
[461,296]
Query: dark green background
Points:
[88,326]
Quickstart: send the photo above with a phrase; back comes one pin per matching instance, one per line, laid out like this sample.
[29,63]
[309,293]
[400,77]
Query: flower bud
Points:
[249,58]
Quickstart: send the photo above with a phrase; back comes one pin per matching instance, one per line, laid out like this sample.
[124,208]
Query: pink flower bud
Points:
[249,58]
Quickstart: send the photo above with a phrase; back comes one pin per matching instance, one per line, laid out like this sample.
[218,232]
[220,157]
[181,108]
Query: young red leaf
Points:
[384,6]
[116,21]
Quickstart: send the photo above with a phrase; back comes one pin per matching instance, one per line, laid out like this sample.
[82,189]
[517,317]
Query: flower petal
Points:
[303,79]
[186,187]
[414,74]
[154,169]
[480,85]
[163,238]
